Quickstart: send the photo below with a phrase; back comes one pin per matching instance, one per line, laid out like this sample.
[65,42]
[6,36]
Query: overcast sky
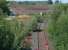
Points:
[64,1]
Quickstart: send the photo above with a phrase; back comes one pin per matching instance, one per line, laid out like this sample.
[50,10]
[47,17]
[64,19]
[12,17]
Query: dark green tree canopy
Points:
[57,1]
[50,2]
[4,7]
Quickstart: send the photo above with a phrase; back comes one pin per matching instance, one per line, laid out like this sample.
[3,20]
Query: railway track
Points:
[43,41]
[40,40]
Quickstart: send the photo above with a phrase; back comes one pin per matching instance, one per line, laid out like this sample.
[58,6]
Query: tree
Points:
[4,7]
[57,2]
[50,2]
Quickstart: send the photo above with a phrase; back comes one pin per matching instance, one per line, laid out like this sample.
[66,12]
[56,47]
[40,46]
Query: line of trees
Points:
[51,2]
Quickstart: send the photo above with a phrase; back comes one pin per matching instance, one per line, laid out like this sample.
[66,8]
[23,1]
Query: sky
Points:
[64,1]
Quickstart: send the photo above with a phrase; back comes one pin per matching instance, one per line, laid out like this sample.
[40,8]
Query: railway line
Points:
[40,40]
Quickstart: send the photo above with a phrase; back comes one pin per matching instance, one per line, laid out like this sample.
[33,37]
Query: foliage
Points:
[58,26]
[4,7]
[57,2]
[50,2]
[15,30]
[7,28]
[6,35]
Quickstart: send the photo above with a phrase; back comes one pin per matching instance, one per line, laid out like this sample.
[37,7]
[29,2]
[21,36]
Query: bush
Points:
[58,28]
[6,38]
